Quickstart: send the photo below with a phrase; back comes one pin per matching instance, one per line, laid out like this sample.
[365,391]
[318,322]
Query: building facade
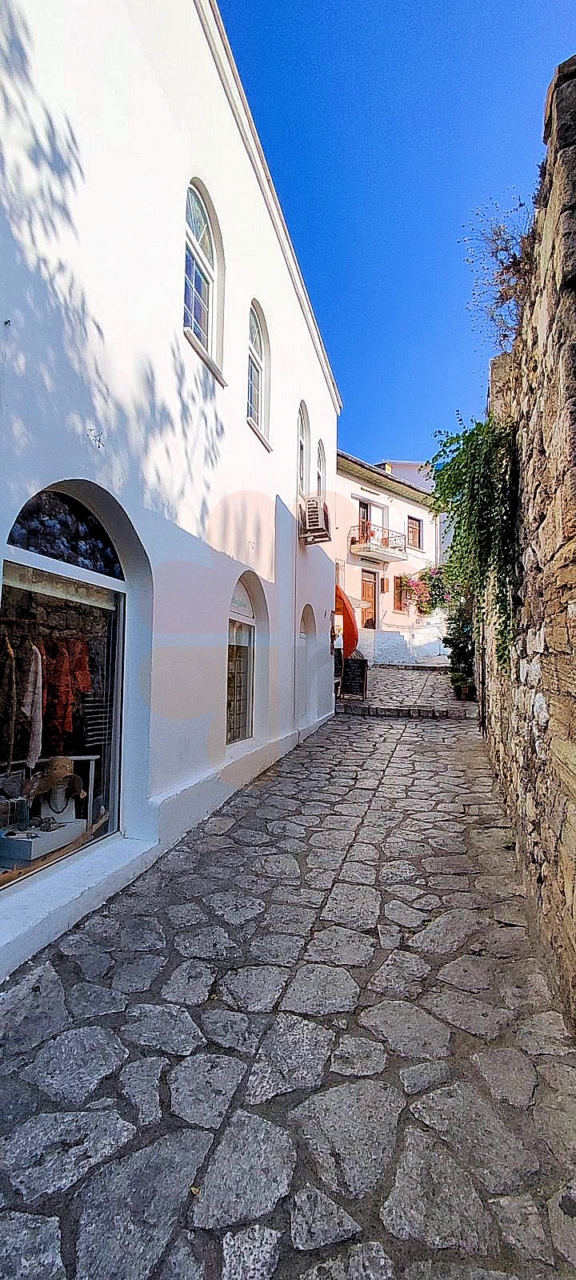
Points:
[384,532]
[167,411]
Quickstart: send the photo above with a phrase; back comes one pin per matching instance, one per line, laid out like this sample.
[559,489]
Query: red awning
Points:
[344,607]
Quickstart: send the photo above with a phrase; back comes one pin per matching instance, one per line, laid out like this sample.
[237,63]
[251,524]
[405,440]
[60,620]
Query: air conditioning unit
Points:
[314,521]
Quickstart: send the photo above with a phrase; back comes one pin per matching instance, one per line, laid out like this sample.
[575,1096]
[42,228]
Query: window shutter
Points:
[399,596]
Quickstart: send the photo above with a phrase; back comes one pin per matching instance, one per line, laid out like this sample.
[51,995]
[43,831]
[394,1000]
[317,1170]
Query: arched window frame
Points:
[199,273]
[258,384]
[204,281]
[321,472]
[240,684]
[303,451]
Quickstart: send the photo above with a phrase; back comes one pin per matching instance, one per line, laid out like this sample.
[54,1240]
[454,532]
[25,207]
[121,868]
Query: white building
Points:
[167,406]
[385,531]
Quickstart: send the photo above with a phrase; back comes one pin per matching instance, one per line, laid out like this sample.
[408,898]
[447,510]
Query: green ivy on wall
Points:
[476,483]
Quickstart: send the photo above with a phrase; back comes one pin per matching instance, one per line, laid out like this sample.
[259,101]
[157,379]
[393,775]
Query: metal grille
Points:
[239,687]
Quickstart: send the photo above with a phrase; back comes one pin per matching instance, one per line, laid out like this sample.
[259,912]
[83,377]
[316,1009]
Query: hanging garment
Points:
[42,652]
[79,665]
[59,696]
[32,707]
[7,700]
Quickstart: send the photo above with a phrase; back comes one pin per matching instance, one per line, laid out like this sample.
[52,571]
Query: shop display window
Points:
[60,663]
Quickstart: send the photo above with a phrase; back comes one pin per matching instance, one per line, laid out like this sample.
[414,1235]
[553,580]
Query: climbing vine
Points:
[476,486]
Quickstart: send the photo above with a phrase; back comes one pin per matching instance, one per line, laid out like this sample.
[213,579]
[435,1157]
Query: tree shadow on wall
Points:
[162,444]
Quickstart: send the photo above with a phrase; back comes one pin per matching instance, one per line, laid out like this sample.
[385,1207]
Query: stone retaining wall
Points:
[531,717]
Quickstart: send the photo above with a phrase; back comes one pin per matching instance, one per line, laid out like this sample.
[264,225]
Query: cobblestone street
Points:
[315,1039]
[410,688]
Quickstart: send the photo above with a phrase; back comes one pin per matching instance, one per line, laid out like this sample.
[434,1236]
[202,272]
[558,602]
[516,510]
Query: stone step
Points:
[465,711]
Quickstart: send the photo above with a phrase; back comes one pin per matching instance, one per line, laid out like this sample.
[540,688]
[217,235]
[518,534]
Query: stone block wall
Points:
[531,711]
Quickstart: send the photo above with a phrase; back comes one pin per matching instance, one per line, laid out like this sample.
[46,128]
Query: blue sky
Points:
[385,125]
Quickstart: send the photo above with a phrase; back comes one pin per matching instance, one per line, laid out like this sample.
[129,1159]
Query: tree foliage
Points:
[476,486]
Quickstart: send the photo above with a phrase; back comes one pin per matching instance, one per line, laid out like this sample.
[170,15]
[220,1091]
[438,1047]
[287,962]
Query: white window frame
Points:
[239,619]
[243,613]
[208,271]
[256,359]
[321,472]
[303,452]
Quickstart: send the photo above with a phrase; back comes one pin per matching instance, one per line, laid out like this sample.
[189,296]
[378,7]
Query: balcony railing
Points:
[379,544]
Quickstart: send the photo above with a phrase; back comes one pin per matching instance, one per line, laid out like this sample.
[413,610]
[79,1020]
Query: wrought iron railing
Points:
[367,537]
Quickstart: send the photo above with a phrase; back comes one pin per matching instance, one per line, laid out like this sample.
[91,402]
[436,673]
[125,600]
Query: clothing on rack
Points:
[7,700]
[54,680]
[79,664]
[32,707]
[59,696]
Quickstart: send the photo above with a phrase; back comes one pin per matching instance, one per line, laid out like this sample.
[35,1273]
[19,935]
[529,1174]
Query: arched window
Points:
[321,471]
[303,451]
[200,272]
[255,404]
[240,675]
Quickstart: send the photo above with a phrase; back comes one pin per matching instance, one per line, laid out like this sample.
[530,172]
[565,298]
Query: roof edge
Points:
[215,32]
[357,467]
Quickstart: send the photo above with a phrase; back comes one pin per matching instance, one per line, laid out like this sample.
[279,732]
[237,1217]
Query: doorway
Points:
[368,598]
[306,694]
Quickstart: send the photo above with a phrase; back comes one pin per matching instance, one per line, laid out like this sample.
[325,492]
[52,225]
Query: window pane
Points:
[253,391]
[414,533]
[197,220]
[320,472]
[239,685]
[63,640]
[196,300]
[255,332]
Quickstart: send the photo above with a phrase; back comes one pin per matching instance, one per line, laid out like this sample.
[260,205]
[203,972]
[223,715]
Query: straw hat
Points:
[55,773]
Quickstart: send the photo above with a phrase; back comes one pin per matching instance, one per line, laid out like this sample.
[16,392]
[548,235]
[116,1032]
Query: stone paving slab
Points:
[316,1039]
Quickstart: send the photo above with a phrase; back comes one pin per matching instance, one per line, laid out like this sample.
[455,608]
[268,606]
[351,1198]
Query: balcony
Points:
[373,543]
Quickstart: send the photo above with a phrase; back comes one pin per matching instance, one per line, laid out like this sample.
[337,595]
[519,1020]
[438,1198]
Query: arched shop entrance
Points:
[62,617]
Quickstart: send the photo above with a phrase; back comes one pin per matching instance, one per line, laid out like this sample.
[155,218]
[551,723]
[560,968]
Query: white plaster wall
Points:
[110,110]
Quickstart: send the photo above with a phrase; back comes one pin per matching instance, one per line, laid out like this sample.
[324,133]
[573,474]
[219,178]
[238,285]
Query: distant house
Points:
[384,532]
